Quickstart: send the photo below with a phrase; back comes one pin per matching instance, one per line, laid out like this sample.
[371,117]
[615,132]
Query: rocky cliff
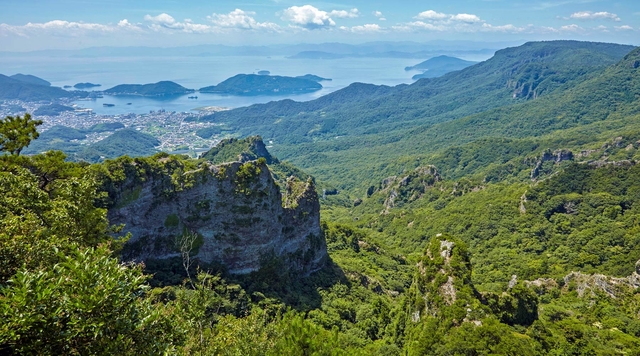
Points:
[232,214]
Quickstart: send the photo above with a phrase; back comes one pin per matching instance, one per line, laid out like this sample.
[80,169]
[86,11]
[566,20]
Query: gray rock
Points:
[242,221]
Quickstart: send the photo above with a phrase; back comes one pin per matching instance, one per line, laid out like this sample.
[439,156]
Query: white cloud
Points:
[241,20]
[624,28]
[162,19]
[366,28]
[379,15]
[432,15]
[308,17]
[504,28]
[343,14]
[571,28]
[434,21]
[66,28]
[165,21]
[468,18]
[431,20]
[420,25]
[589,15]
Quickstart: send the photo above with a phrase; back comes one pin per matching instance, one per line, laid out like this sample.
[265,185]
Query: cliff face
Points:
[235,213]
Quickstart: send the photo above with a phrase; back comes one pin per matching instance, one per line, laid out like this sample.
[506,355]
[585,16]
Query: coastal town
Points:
[176,131]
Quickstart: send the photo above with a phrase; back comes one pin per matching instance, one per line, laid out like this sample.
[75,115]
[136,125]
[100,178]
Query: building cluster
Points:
[176,131]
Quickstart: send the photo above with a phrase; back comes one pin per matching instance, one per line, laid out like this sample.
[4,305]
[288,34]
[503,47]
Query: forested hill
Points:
[512,75]
[164,88]
[30,88]
[389,122]
[253,84]
[492,211]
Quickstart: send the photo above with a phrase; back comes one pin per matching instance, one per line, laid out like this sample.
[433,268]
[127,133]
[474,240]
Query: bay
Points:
[198,72]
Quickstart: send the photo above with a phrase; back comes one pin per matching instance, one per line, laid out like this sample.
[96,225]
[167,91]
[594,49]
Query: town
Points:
[176,131]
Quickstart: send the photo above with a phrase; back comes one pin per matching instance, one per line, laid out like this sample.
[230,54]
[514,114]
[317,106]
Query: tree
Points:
[17,132]
[87,304]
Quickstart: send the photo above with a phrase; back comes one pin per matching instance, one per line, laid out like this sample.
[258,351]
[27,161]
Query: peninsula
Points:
[86,85]
[439,66]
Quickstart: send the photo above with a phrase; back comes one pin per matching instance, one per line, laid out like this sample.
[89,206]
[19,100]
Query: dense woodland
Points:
[480,213]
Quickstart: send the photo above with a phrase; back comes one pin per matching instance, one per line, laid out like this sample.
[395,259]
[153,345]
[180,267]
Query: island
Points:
[439,66]
[163,88]
[253,84]
[316,55]
[315,78]
[86,85]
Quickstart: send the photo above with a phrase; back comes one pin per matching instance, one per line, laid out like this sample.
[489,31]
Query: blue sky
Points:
[62,24]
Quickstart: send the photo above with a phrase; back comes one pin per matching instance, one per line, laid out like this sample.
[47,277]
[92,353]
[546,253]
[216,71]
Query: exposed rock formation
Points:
[590,285]
[557,156]
[408,188]
[442,289]
[236,211]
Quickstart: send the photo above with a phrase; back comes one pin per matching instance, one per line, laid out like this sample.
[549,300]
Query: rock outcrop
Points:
[556,156]
[408,188]
[235,214]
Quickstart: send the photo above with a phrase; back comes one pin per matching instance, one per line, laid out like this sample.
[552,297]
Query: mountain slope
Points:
[30,79]
[582,117]
[123,142]
[12,89]
[512,75]
[385,124]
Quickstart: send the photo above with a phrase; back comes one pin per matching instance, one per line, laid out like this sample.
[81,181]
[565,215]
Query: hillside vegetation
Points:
[163,88]
[491,211]
[253,84]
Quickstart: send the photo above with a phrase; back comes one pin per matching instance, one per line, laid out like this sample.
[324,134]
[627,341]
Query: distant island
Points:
[86,85]
[439,66]
[316,55]
[315,78]
[253,84]
[164,88]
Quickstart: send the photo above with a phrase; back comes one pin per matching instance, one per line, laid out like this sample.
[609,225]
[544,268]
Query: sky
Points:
[27,25]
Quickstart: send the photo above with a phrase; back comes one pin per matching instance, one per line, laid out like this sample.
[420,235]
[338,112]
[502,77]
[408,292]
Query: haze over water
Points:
[198,72]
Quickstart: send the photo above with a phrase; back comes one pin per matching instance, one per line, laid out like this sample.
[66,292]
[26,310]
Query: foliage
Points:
[88,303]
[52,110]
[17,132]
[478,194]
[253,84]
[163,88]
[45,204]
[122,142]
[17,89]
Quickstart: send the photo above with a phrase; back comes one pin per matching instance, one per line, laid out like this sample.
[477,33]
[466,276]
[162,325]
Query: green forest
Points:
[490,211]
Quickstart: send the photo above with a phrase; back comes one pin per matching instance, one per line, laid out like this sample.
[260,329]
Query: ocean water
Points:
[198,72]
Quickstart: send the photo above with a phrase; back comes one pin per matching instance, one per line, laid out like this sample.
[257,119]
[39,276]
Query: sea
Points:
[198,72]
